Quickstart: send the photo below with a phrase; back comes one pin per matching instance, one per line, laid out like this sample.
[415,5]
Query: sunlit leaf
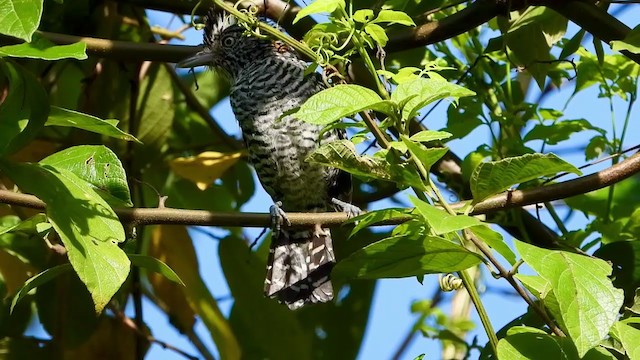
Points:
[98,166]
[87,226]
[427,91]
[440,221]
[319,6]
[631,42]
[587,300]
[20,18]
[394,17]
[340,101]
[493,177]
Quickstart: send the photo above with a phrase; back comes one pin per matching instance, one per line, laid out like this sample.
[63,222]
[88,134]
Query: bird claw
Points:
[278,217]
[350,209]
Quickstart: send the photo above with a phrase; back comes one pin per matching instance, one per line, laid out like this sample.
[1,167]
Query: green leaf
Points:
[342,154]
[425,91]
[152,264]
[363,15]
[23,111]
[394,17]
[404,256]
[528,343]
[69,118]
[629,337]
[376,216]
[631,42]
[98,166]
[87,226]
[319,6]
[335,103]
[560,131]
[377,33]
[427,156]
[430,135]
[495,241]
[586,298]
[20,18]
[28,225]
[41,278]
[571,46]
[496,176]
[440,221]
[41,48]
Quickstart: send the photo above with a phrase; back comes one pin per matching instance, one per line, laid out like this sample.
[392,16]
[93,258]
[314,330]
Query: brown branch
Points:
[506,200]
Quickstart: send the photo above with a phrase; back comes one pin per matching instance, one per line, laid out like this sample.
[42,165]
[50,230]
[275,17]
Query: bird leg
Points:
[350,209]
[278,217]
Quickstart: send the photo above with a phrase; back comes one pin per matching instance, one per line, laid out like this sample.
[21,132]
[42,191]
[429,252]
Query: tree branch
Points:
[506,200]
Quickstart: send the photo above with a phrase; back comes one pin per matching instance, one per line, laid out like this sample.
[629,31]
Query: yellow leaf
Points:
[113,339]
[204,168]
[172,245]
[14,272]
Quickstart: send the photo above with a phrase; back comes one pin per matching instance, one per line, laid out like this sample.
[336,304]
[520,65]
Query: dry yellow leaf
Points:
[204,168]
[14,272]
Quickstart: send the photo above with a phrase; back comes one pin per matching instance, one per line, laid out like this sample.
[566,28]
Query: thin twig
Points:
[142,335]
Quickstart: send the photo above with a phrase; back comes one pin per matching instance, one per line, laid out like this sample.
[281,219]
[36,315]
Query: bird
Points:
[268,79]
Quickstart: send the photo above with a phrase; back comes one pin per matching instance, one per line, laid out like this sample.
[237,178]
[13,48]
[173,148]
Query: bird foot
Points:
[350,209]
[278,217]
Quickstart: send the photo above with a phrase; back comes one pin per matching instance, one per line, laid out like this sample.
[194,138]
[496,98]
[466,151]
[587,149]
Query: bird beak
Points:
[204,57]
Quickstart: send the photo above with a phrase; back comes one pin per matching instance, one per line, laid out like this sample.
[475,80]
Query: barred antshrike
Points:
[267,79]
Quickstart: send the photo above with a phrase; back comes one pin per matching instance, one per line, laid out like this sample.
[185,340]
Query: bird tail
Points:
[299,266]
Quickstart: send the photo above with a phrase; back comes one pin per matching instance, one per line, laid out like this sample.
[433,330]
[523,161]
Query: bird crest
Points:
[216,21]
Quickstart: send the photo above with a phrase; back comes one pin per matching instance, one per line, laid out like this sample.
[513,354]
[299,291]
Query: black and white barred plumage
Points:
[267,79]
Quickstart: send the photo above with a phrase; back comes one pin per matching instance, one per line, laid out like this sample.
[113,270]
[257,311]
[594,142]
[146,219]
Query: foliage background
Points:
[387,289]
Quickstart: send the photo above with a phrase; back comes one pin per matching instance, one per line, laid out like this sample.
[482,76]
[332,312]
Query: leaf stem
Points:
[469,284]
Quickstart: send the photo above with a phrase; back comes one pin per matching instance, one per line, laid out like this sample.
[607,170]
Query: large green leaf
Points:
[41,48]
[335,103]
[440,221]
[20,18]
[24,110]
[493,177]
[404,255]
[342,154]
[425,91]
[87,226]
[69,118]
[533,344]
[587,300]
[98,166]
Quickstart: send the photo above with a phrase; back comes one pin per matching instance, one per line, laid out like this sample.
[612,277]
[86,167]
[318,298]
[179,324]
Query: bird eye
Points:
[228,41]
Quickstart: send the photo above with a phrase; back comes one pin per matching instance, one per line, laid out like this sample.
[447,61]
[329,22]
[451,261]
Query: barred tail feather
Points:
[299,267]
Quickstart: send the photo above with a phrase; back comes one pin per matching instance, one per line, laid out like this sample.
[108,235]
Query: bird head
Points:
[226,46]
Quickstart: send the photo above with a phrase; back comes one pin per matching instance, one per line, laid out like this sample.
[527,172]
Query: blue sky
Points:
[391,318]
